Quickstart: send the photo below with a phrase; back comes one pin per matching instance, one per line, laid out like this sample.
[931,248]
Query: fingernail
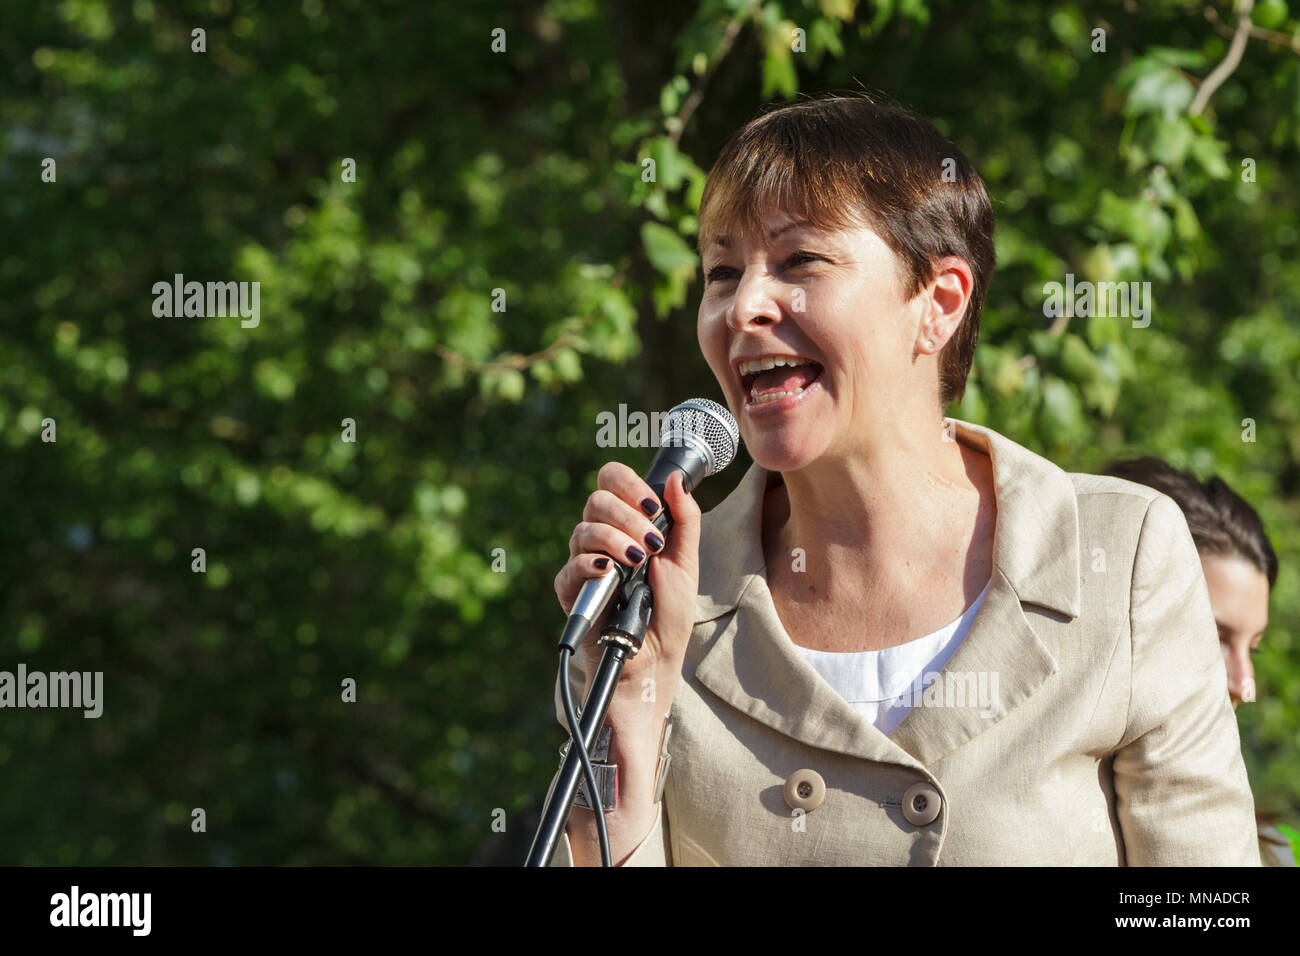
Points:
[635,555]
[649,506]
[655,543]
[601,563]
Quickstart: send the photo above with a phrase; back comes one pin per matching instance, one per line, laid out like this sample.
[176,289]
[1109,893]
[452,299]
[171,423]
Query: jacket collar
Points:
[754,665]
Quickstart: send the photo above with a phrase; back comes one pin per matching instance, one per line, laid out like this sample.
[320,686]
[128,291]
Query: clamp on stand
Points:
[622,639]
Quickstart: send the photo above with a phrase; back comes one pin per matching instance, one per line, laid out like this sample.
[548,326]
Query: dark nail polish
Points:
[649,506]
[601,563]
[655,543]
[635,555]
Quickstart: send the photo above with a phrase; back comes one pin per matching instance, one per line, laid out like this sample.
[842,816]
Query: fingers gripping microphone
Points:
[699,439]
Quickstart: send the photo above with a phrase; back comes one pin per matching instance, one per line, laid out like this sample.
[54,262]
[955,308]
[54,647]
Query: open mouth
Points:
[770,380]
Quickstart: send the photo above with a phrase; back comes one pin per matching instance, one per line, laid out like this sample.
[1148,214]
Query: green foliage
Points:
[1293,835]
[471,302]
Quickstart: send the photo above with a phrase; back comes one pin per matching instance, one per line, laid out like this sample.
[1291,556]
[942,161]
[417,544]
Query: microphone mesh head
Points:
[705,425]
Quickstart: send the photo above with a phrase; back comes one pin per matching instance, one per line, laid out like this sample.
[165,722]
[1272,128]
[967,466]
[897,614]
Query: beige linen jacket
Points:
[1110,739]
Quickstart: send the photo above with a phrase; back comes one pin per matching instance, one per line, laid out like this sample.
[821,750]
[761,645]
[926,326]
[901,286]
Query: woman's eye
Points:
[723,273]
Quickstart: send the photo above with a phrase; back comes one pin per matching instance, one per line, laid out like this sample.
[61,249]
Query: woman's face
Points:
[835,298]
[1239,596]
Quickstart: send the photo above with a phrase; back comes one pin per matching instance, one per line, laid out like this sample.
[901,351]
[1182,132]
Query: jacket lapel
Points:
[999,664]
[1002,661]
[754,666]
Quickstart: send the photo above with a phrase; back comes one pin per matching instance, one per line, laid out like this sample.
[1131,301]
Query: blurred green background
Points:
[522,171]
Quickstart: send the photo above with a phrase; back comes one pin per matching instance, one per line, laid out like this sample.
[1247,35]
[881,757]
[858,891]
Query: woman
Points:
[1069,721]
[1240,570]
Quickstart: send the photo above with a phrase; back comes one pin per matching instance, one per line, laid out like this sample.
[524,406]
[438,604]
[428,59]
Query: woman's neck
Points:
[912,506]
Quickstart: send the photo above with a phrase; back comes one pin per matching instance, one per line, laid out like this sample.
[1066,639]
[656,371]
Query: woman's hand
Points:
[616,521]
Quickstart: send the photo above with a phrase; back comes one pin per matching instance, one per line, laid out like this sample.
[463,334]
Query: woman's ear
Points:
[945,298]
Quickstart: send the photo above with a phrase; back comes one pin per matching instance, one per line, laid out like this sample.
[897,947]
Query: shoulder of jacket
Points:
[1102,497]
[1107,485]
[1126,513]
[1141,528]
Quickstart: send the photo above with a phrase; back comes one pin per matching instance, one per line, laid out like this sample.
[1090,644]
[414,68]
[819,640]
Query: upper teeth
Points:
[763,364]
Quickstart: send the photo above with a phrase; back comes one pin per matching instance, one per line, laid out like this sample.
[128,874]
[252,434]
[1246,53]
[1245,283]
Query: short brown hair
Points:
[837,161]
[1220,520]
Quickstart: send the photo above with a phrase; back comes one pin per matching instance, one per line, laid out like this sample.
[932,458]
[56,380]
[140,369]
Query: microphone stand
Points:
[621,639]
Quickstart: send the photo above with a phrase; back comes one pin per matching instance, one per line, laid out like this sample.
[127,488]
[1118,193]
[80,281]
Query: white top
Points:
[884,685]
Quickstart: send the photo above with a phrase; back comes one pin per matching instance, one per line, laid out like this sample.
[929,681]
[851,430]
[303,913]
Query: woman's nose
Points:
[754,304]
[1241,678]
[1247,682]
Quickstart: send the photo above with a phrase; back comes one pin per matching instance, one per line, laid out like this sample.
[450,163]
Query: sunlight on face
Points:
[1239,596]
[835,298]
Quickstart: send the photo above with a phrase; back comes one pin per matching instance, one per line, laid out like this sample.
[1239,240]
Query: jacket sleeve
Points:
[653,850]
[1182,796]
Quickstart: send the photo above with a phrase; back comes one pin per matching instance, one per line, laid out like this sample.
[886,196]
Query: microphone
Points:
[699,439]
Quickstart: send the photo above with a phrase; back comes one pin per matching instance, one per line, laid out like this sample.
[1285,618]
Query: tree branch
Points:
[1258,32]
[677,124]
[509,360]
[1230,62]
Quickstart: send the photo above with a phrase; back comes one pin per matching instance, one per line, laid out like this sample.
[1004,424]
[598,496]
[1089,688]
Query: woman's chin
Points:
[777,452]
